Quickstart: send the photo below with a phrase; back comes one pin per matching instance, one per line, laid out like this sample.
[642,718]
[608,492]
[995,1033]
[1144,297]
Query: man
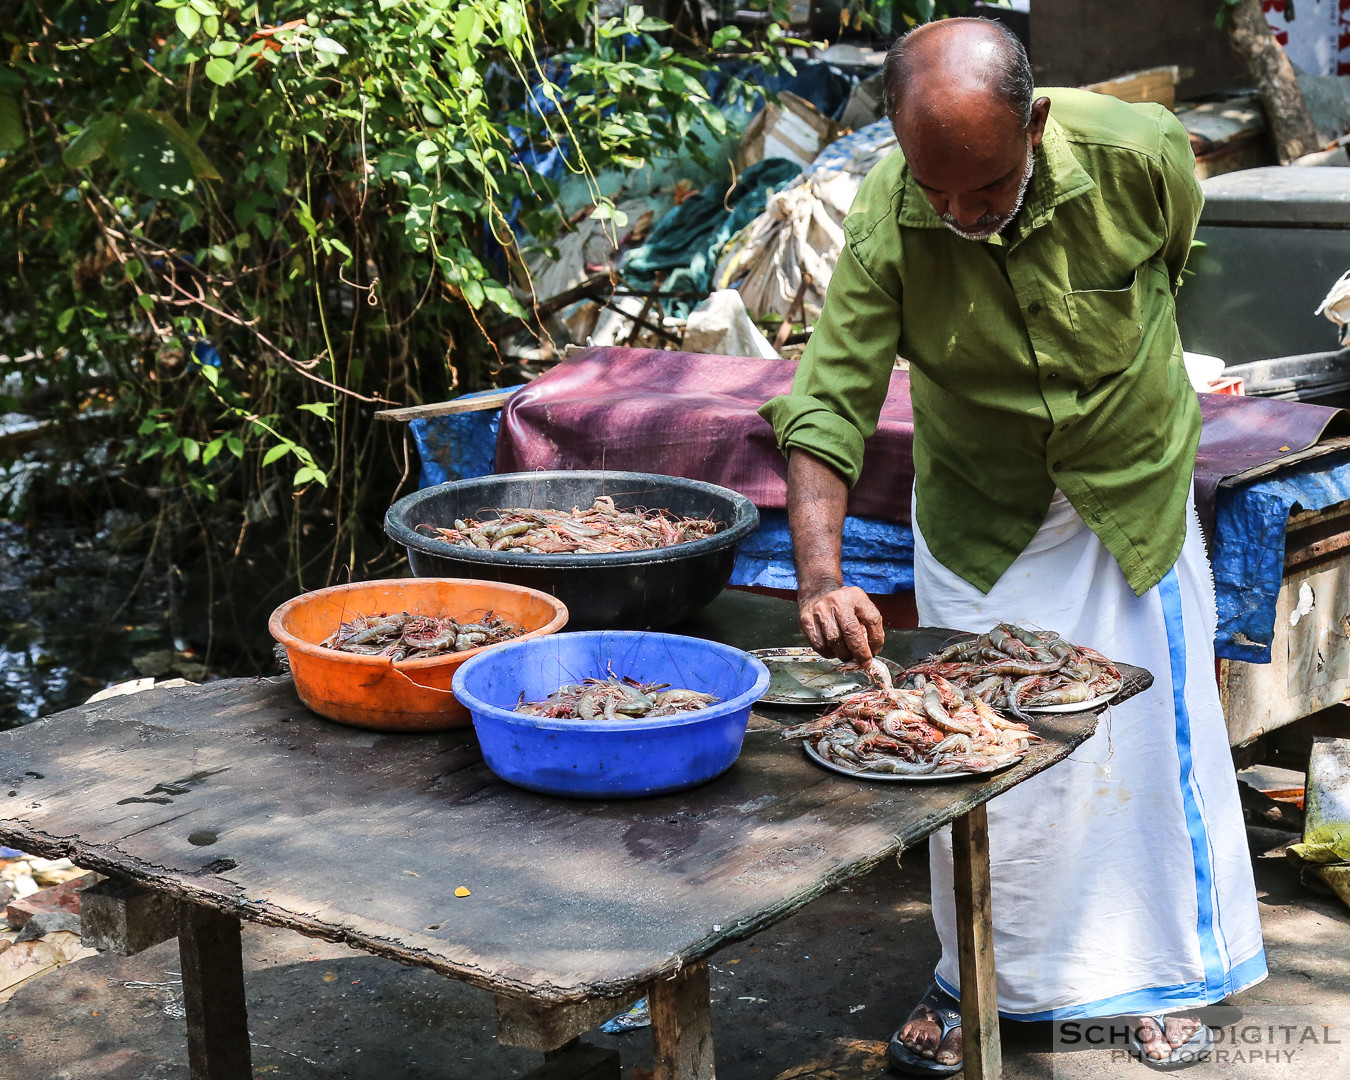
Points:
[1022,252]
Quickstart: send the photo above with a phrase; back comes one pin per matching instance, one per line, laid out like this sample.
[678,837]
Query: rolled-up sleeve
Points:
[841,382]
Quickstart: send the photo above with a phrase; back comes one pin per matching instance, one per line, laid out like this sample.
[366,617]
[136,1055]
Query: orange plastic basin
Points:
[410,695]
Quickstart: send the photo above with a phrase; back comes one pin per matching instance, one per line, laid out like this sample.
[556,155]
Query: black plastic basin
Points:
[628,590]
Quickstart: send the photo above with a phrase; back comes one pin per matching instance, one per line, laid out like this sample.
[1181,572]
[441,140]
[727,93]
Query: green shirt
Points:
[1045,357]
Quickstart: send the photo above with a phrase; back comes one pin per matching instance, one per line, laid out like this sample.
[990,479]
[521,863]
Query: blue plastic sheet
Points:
[456,447]
[1248,550]
[878,555]
[1247,546]
[841,154]
[823,85]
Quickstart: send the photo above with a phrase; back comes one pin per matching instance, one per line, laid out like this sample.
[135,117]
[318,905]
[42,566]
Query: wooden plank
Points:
[1157,84]
[982,1052]
[1315,534]
[1317,549]
[126,918]
[478,403]
[213,995]
[1332,445]
[535,1026]
[234,796]
[682,1040]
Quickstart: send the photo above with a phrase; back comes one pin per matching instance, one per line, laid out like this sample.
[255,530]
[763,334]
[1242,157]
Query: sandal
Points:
[948,1012]
[1193,1051]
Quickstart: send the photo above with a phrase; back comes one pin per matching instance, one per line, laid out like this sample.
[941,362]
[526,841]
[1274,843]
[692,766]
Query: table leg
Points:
[577,1061]
[983,1055]
[682,1042]
[213,995]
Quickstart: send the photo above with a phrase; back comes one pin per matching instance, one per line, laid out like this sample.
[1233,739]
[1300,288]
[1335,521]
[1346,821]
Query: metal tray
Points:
[928,778]
[800,677]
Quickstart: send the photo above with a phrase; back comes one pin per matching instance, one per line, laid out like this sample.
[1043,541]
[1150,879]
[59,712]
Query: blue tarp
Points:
[878,555]
[823,85]
[1248,545]
[1248,549]
[458,446]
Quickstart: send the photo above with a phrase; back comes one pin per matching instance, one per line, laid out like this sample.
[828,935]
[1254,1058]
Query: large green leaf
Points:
[91,143]
[187,145]
[11,123]
[154,162]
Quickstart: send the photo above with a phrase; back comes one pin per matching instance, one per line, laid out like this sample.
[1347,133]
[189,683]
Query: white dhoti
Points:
[1121,878]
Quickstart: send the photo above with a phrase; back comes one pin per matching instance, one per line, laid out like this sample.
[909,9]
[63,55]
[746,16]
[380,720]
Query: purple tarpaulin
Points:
[1241,433]
[688,414]
[694,415]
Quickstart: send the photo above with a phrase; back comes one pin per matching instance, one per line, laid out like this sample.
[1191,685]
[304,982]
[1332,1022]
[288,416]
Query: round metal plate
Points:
[814,755]
[801,677]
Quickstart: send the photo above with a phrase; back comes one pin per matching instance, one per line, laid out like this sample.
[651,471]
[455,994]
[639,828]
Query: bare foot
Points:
[920,1035]
[1160,1044]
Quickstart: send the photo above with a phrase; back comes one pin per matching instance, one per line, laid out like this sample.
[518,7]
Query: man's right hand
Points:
[841,621]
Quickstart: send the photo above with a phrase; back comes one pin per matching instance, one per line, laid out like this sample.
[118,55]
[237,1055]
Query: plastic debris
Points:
[462,892]
[683,247]
[593,244]
[801,231]
[1202,369]
[634,1017]
[721,326]
[1336,306]
[27,960]
[22,875]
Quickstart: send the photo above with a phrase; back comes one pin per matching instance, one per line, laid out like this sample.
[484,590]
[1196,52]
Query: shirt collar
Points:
[1058,176]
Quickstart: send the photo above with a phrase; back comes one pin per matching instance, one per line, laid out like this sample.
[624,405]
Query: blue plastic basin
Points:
[602,759]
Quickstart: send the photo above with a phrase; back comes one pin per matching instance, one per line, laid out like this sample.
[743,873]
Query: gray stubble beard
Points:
[993,226]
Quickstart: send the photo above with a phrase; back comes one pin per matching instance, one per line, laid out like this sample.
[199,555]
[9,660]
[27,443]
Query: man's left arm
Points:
[1179,196]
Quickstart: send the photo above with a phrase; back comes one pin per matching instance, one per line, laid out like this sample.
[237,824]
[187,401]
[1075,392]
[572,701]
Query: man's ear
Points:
[1040,112]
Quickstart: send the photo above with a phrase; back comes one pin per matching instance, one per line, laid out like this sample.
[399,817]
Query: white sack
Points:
[801,230]
[720,325]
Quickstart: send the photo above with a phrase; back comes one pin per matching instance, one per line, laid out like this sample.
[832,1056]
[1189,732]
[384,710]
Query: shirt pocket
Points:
[1108,326]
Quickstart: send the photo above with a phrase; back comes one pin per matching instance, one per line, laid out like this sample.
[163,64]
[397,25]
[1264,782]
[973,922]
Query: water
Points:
[78,612]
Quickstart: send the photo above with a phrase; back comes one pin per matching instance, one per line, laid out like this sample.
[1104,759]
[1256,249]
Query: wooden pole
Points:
[682,1043]
[211,952]
[982,1052]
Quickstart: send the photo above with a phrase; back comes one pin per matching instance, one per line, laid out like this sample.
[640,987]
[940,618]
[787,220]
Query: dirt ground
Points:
[813,998]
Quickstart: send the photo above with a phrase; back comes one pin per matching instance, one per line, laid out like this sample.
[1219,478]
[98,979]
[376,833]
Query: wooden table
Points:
[213,804]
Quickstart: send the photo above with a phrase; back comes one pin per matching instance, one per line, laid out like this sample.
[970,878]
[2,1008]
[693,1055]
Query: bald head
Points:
[978,62]
[959,95]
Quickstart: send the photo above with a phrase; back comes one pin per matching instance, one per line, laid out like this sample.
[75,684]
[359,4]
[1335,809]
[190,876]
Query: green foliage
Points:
[896,16]
[242,226]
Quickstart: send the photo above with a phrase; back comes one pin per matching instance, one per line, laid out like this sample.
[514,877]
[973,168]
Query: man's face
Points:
[975,175]
[991,222]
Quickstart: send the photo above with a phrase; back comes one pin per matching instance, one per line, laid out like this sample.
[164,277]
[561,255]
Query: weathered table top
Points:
[233,795]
